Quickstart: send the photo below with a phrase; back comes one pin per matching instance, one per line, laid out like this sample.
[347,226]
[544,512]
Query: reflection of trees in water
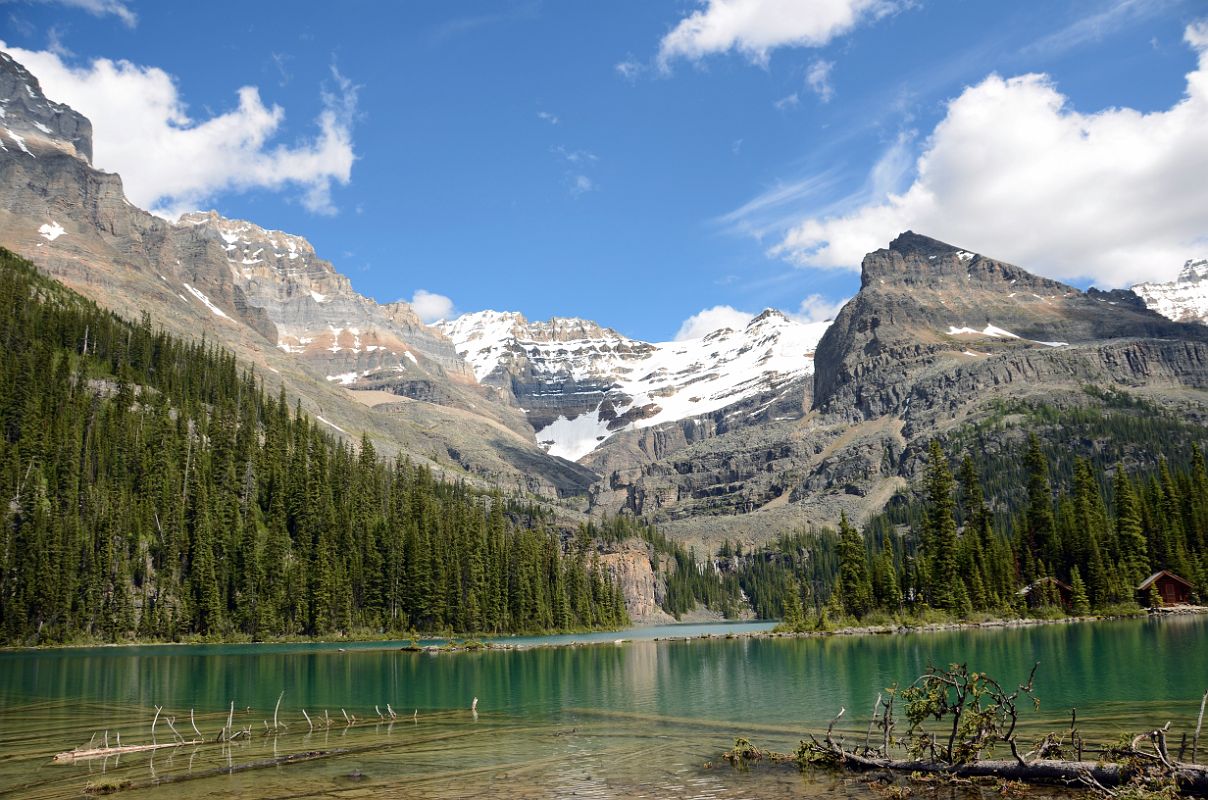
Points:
[803,681]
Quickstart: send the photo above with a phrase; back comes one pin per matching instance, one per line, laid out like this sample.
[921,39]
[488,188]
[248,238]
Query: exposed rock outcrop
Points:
[629,565]
[927,307]
[582,386]
[1185,299]
[264,294]
[26,113]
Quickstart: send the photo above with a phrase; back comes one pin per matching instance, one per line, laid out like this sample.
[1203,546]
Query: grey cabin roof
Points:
[1145,584]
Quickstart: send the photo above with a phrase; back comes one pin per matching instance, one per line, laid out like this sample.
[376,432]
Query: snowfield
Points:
[678,379]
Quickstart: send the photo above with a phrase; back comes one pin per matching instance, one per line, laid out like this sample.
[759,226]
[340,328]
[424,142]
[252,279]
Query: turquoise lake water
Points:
[638,718]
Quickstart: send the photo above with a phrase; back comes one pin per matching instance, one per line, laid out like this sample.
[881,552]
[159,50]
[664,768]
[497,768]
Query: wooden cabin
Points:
[1164,588]
[1034,593]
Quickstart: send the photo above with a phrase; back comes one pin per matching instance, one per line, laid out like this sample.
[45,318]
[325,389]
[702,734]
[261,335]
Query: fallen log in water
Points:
[84,753]
[1190,779]
[974,716]
[264,763]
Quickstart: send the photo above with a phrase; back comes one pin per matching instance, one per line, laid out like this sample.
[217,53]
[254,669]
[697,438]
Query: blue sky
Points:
[637,162]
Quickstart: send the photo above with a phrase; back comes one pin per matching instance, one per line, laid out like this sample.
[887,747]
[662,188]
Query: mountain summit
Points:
[743,433]
[27,116]
[580,383]
[927,307]
[1185,298]
[264,294]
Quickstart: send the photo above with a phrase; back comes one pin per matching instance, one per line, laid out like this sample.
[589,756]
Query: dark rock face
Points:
[926,307]
[934,338]
[27,112]
[261,293]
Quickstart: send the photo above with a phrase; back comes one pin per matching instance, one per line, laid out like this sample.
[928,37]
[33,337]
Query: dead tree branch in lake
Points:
[957,719]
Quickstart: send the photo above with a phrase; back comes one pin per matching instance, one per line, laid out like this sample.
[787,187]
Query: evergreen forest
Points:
[1098,539]
[152,489]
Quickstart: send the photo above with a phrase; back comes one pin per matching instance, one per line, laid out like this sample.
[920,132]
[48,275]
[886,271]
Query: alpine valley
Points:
[740,436]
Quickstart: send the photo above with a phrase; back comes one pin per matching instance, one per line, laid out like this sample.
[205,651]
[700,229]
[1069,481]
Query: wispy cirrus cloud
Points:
[577,164]
[1110,17]
[99,8]
[817,78]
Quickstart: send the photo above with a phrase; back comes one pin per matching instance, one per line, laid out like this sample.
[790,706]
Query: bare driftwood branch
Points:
[976,715]
[1195,742]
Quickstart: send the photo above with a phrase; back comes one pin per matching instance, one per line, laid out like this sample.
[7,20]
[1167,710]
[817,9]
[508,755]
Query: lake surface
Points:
[636,719]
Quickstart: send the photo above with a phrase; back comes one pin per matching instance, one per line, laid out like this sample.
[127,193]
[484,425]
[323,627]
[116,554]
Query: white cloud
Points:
[712,319]
[574,156]
[785,103]
[817,77]
[549,117]
[100,8]
[577,161]
[756,27]
[430,307]
[171,162]
[581,184]
[817,308]
[1013,171]
[629,69]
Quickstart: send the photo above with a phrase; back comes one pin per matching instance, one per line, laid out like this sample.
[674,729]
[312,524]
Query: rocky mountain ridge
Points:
[265,295]
[1185,299]
[25,112]
[925,306]
[740,434]
[580,383]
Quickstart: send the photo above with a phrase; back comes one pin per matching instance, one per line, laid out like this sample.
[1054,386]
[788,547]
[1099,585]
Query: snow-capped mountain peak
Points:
[1185,299]
[580,383]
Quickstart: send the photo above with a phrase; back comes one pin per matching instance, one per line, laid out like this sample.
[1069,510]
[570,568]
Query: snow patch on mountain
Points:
[574,438]
[200,295]
[51,231]
[998,333]
[1184,299]
[642,384]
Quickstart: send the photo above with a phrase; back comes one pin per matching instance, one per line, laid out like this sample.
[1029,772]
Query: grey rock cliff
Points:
[205,276]
[1184,299]
[925,307]
[25,113]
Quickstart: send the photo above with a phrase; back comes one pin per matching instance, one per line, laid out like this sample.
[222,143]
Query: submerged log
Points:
[1192,779]
[957,718]
[84,753]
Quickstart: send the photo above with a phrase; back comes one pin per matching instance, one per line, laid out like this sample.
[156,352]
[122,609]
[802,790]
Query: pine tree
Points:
[1134,549]
[944,587]
[856,595]
[794,612]
[1041,529]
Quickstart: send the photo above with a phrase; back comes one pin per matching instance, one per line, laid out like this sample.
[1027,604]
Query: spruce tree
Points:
[1134,549]
[856,595]
[1041,527]
[1080,602]
[944,588]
